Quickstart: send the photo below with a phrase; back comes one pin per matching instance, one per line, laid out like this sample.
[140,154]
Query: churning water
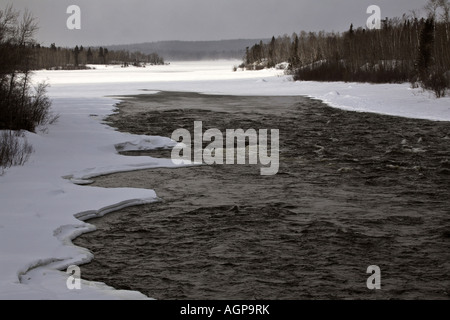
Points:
[353,190]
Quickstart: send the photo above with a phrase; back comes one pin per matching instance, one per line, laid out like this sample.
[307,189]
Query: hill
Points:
[192,50]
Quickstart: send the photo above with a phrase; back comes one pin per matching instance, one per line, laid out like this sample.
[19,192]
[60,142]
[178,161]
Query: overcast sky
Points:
[105,22]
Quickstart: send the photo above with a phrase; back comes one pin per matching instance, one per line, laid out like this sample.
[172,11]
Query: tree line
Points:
[406,49]
[54,57]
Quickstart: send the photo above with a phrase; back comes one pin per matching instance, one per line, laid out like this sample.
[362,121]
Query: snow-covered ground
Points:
[43,203]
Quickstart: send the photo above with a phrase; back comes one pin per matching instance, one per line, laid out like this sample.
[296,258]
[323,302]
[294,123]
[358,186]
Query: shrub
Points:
[14,149]
[21,107]
[437,82]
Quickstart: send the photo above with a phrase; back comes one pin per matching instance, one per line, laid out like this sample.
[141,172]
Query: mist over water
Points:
[353,190]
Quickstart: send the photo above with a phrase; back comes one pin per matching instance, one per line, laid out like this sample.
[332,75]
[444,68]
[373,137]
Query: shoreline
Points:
[81,142]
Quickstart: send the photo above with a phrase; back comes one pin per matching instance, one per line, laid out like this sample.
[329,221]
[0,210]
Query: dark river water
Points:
[353,190]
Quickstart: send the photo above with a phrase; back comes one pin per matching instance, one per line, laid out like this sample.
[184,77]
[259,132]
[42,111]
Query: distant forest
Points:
[406,49]
[77,58]
[193,50]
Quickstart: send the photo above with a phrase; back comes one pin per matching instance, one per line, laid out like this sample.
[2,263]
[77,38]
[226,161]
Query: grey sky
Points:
[130,21]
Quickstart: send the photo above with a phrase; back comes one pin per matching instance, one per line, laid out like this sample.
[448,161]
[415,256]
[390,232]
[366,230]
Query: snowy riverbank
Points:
[39,207]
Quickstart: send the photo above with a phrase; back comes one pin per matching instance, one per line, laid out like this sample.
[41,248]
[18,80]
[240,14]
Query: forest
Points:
[54,57]
[406,49]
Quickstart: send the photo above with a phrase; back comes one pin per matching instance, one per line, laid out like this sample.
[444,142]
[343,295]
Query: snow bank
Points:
[145,143]
[42,204]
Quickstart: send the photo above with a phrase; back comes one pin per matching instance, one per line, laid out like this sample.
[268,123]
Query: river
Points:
[353,190]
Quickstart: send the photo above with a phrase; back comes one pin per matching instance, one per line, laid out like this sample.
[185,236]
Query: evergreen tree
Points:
[101,54]
[425,54]
[294,59]
[105,56]
[351,32]
[90,56]
[271,52]
[76,54]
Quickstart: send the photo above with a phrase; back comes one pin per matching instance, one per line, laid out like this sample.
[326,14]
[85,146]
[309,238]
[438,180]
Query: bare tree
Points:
[432,8]
[21,107]
[445,6]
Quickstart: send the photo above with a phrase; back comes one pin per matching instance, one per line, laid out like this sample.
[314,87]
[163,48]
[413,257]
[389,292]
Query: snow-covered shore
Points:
[41,207]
